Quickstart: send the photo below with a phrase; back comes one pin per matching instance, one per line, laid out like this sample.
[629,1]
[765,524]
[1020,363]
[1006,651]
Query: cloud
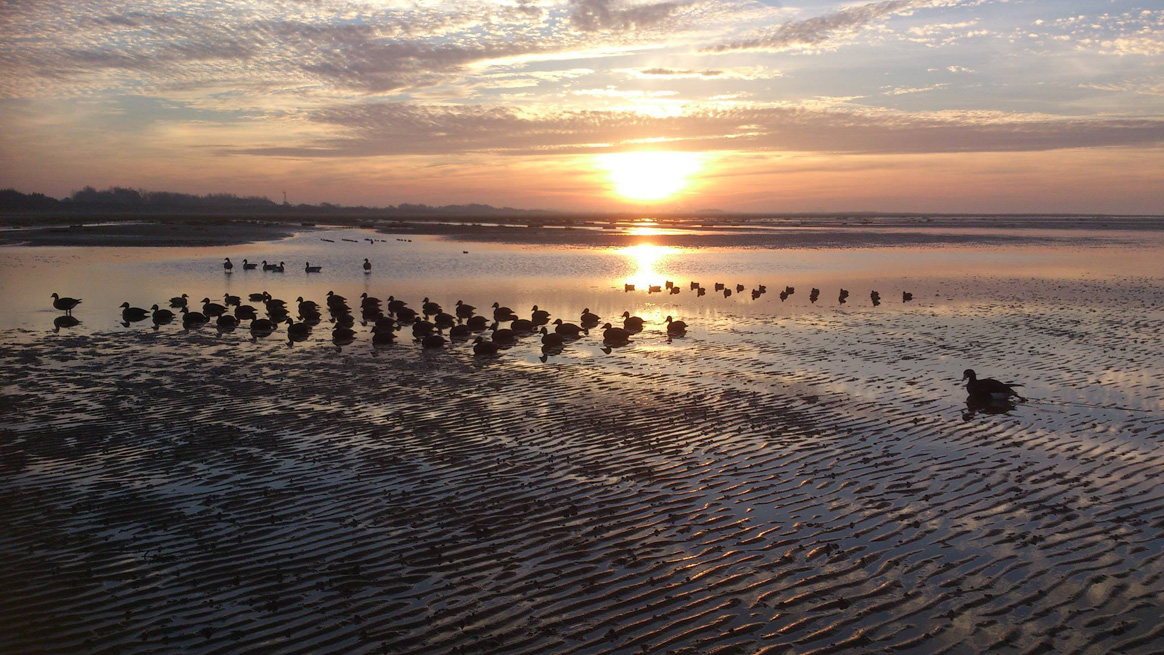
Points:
[819,30]
[401,128]
[595,15]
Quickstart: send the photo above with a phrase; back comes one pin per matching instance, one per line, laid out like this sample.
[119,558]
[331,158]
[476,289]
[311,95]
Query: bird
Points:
[193,318]
[522,325]
[367,266]
[443,321]
[161,316]
[502,313]
[212,308]
[790,290]
[335,300]
[227,322]
[568,330]
[307,306]
[461,331]
[652,288]
[254,297]
[382,336]
[674,290]
[675,327]
[813,295]
[875,297]
[843,295]
[783,296]
[385,323]
[502,335]
[228,299]
[308,268]
[539,316]
[297,331]
[463,310]
[478,323]
[180,301]
[669,284]
[64,321]
[268,267]
[740,288]
[433,341]
[906,296]
[589,319]
[278,268]
[719,286]
[247,266]
[727,293]
[131,314]
[341,335]
[989,387]
[245,313]
[406,314]
[430,307]
[614,335]
[694,285]
[628,287]
[483,348]
[367,301]
[700,292]
[632,323]
[66,304]
[422,328]
[551,339]
[227,266]
[394,305]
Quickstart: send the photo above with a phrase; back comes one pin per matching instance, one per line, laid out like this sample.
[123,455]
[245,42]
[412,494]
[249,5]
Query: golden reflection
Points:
[648,176]
[645,259]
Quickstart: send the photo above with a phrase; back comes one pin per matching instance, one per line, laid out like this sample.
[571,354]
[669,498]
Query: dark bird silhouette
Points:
[790,290]
[813,295]
[539,316]
[161,316]
[336,301]
[406,315]
[212,308]
[719,286]
[421,328]
[247,266]
[430,307]
[694,285]
[484,348]
[308,268]
[727,293]
[669,284]
[589,319]
[842,296]
[245,313]
[700,292]
[568,330]
[631,323]
[227,322]
[463,310]
[66,304]
[433,341]
[989,387]
[367,266]
[675,327]
[674,290]
[739,288]
[395,305]
[268,267]
[477,323]
[227,266]
[460,331]
[654,289]
[279,268]
[254,297]
[628,287]
[783,296]
[614,335]
[502,313]
[64,321]
[180,301]
[502,335]
[133,314]
[190,318]
[382,335]
[228,299]
[262,326]
[906,296]
[551,339]
[443,321]
[522,325]
[875,297]
[367,301]
[297,331]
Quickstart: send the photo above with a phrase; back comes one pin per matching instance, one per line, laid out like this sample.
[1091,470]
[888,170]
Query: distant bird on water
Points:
[65,304]
[247,266]
[675,327]
[227,266]
[632,323]
[814,295]
[906,296]
[367,266]
[307,267]
[180,301]
[132,314]
[989,387]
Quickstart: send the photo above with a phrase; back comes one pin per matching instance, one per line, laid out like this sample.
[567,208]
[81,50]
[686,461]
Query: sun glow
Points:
[645,258]
[648,176]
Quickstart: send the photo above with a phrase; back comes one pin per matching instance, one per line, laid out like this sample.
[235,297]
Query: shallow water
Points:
[789,476]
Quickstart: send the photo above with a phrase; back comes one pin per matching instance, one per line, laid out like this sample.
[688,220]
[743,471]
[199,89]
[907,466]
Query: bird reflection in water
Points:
[64,321]
[977,404]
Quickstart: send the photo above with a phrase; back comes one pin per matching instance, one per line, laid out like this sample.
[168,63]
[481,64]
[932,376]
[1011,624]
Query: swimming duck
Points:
[813,295]
[611,334]
[297,331]
[632,323]
[341,335]
[193,318]
[279,268]
[421,328]
[539,316]
[443,320]
[477,323]
[382,336]
[385,323]
[65,304]
[227,266]
[989,387]
[308,268]
[588,319]
[247,266]
[568,330]
[395,305]
[133,314]
[502,335]
[628,287]
[367,301]
[228,299]
[502,313]
[906,296]
[335,300]
[245,313]
[254,297]
[460,332]
[464,311]
[483,348]
[227,322]
[268,267]
[178,301]
[551,339]
[161,316]
[675,327]
[308,306]
[433,341]
[406,314]
[522,325]
[212,308]
[430,307]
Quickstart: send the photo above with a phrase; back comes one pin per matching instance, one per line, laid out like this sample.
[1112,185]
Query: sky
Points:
[998,106]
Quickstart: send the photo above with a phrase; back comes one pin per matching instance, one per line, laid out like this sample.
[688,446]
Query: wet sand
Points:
[171,233]
[804,482]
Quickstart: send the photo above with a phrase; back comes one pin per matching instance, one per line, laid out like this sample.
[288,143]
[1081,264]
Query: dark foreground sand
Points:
[802,485]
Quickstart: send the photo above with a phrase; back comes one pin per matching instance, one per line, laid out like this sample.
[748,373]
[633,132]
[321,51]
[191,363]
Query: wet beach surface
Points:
[789,477]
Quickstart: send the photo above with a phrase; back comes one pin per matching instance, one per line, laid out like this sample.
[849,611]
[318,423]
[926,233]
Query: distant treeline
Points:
[120,200]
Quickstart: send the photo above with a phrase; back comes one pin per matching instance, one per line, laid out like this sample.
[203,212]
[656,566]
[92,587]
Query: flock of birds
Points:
[671,288]
[431,326]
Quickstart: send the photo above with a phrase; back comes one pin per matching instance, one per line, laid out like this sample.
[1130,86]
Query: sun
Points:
[648,176]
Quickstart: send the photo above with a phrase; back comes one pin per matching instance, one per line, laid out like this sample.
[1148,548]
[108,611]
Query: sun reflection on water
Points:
[645,260]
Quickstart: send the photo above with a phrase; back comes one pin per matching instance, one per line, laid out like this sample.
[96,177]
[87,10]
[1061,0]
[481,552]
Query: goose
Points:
[756,294]
[193,318]
[611,334]
[422,328]
[133,314]
[628,287]
[227,322]
[382,336]
[463,310]
[343,319]
[727,293]
[385,323]
[368,301]
[568,330]
[430,307]
[700,292]
[719,286]
[669,284]
[268,267]
[460,332]
[588,319]
[367,266]
[783,296]
[790,290]
[395,305]
[178,301]
[342,335]
[843,295]
[307,305]
[651,288]
[675,327]
[906,296]
[64,321]
[989,387]
[245,313]
[406,314]
[502,335]
[478,323]
[483,348]
[502,313]
[271,301]
[247,266]
[212,308]
[335,300]
[674,290]
[812,296]
[256,297]
[161,316]
[739,288]
[228,299]
[539,316]
[370,313]
[66,304]
[227,266]
[551,339]
[443,321]
[297,331]
[280,268]
[308,268]
[694,285]
[433,341]
[632,323]
[522,325]
[764,289]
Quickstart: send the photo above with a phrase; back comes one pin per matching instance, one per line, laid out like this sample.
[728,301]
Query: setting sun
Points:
[647,176]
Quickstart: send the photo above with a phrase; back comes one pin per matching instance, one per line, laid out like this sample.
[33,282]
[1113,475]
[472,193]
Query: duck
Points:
[227,266]
[460,332]
[262,325]
[654,288]
[843,295]
[279,268]
[551,339]
[228,299]
[227,322]
[395,305]
[367,266]
[502,313]
[430,307]
[502,335]
[588,319]
[433,341]
[421,328]
[719,286]
[539,316]
[66,304]
[568,330]
[335,300]
[694,285]
[161,316]
[443,321]
[193,318]
[522,325]
[341,335]
[270,301]
[611,334]
[632,323]
[483,348]
[669,284]
[740,288]
[247,266]
[700,292]
[783,296]
[268,267]
[308,306]
[477,323]
[628,287]
[343,319]
[727,293]
[989,387]
[813,295]
[212,308]
[245,313]
[406,314]
[297,331]
[308,268]
[254,297]
[675,327]
[382,336]
[178,301]
[385,323]
[368,301]
[132,314]
[463,310]
[906,296]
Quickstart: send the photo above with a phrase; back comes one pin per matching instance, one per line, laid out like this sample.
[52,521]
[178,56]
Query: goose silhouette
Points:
[65,304]
[551,339]
[227,266]
[161,316]
[632,323]
[247,266]
[180,301]
[989,387]
[483,348]
[133,314]
[675,327]
[367,266]
[463,310]
[614,335]
[568,330]
[308,268]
